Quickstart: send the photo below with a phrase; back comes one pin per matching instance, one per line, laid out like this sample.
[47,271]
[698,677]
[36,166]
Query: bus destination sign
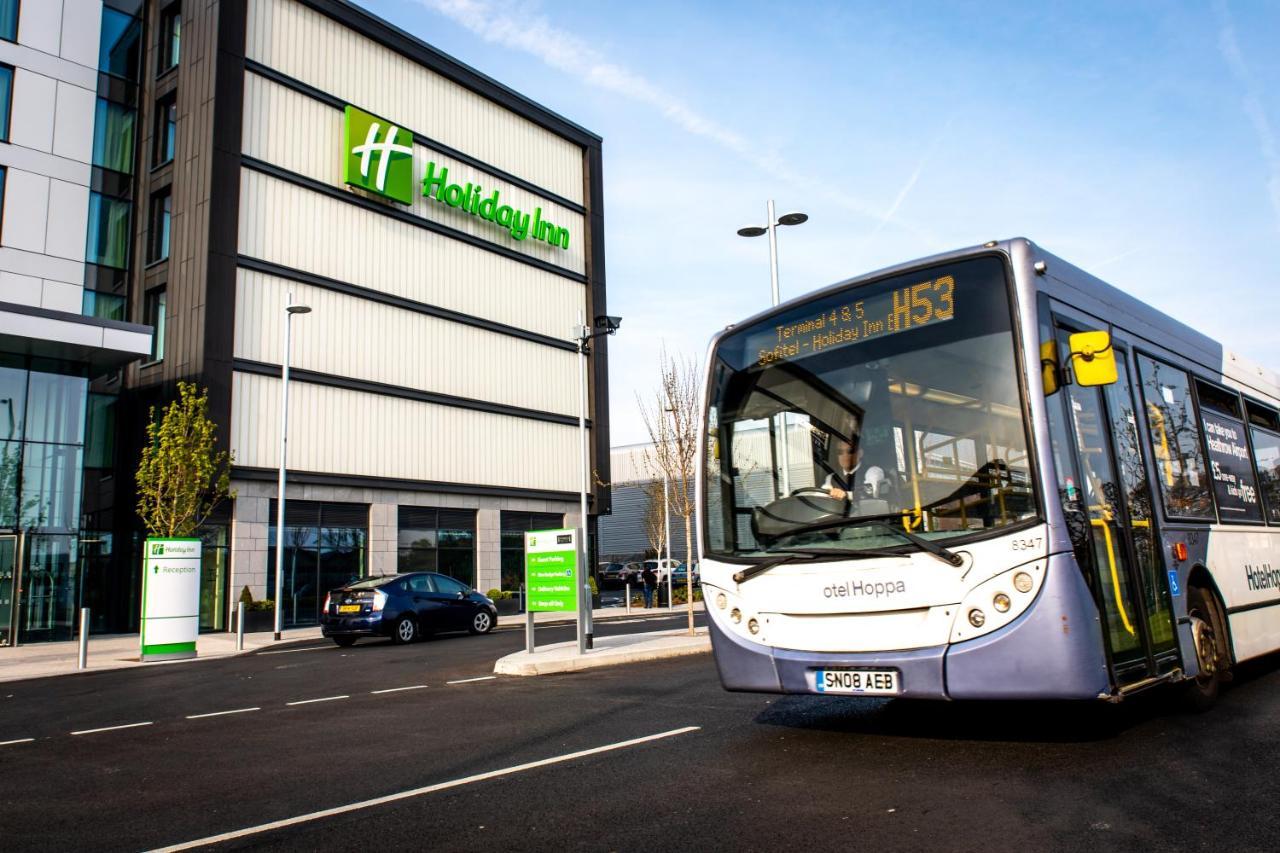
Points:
[899,310]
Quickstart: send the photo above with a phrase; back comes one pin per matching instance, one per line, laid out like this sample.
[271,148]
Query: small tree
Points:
[181,477]
[671,416]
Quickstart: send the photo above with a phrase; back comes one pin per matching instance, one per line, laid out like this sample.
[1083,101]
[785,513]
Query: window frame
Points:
[167,58]
[156,298]
[161,130]
[17,22]
[8,108]
[1200,409]
[158,239]
[1212,518]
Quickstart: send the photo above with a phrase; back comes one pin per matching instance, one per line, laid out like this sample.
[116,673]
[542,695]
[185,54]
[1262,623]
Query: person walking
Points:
[650,579]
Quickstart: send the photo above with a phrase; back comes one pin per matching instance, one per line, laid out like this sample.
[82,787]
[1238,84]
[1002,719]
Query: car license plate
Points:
[348,608]
[863,682]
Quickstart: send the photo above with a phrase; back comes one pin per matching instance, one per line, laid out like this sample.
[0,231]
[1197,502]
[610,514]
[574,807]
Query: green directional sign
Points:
[377,155]
[551,570]
[170,598]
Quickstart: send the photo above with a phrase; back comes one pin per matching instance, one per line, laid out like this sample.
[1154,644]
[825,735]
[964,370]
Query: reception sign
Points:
[551,570]
[170,598]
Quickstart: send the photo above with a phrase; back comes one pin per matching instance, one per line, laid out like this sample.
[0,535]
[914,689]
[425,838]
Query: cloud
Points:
[1252,102]
[566,52]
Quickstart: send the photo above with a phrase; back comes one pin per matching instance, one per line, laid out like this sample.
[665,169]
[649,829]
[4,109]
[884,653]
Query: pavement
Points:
[607,651]
[121,651]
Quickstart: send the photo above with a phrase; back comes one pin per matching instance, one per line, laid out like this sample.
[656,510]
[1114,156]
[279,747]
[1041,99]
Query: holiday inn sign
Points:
[378,158]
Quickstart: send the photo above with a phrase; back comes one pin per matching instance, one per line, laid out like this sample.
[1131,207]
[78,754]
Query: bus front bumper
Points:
[1052,651]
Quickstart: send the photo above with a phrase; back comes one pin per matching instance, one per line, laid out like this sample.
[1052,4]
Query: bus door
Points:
[1107,497]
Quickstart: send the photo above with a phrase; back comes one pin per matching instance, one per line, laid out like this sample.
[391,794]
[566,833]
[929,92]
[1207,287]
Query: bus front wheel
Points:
[1210,637]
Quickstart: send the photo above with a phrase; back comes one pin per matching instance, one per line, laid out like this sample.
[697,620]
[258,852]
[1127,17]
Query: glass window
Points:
[421,583]
[100,433]
[51,584]
[213,577]
[13,397]
[113,137]
[3,174]
[513,526]
[51,475]
[108,242]
[55,406]
[166,130]
[107,306]
[896,401]
[1262,416]
[449,586]
[10,465]
[325,547]
[170,38]
[1175,440]
[156,317]
[120,45]
[432,540]
[158,238]
[9,20]
[1266,448]
[1230,467]
[6,100]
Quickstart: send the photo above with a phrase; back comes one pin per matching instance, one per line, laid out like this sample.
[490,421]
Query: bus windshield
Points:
[885,407]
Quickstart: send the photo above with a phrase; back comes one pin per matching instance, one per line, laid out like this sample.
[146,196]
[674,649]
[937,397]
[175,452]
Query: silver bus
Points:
[986,475]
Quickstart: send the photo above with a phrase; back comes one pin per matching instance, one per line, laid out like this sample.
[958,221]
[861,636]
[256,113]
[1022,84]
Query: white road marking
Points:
[418,792]
[469,680]
[398,689]
[110,728]
[291,651]
[321,699]
[19,740]
[221,713]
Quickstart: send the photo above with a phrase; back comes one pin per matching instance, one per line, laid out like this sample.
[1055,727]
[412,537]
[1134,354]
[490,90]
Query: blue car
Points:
[405,608]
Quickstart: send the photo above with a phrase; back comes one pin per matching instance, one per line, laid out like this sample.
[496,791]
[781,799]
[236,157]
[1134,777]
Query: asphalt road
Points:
[500,761]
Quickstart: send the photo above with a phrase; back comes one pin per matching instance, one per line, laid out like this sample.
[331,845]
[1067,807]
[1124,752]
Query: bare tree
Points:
[671,416]
[655,526]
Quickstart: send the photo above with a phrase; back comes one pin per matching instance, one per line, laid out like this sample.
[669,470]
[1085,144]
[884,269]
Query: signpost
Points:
[551,575]
[170,598]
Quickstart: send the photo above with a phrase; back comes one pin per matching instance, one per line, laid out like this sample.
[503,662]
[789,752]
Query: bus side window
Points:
[1176,440]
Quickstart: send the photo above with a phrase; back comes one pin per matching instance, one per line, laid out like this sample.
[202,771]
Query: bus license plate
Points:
[864,682]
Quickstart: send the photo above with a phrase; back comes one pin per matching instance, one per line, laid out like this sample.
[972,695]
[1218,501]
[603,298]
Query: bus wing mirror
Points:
[1093,361]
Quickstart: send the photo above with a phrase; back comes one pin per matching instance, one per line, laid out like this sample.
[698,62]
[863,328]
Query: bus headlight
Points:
[989,606]
[753,626]
[721,601]
[736,615]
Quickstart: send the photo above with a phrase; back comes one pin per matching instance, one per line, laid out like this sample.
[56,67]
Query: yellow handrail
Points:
[1115,574]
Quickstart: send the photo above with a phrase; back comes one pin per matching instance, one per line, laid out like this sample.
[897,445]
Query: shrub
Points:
[246,597]
[264,604]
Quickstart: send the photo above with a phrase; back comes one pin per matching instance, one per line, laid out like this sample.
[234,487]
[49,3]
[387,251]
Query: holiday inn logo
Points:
[378,155]
[378,158]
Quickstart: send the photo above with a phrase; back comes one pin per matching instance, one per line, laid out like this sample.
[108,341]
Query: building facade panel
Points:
[351,244]
[347,432]
[303,135]
[311,47]
[353,337]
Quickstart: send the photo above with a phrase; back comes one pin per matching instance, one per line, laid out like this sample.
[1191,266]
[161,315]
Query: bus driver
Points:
[849,481]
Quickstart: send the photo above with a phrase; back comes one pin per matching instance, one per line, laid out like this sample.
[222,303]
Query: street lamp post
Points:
[582,336]
[289,310]
[794,218]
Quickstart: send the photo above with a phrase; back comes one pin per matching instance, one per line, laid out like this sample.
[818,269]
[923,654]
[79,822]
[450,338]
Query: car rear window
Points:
[368,583]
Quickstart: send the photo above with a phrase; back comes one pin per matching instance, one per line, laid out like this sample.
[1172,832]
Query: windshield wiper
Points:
[944,554]
[759,568]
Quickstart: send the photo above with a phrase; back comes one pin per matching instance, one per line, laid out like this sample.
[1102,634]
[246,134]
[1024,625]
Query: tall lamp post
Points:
[794,218]
[583,334]
[289,310]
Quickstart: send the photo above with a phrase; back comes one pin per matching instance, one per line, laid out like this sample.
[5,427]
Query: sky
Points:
[1137,140]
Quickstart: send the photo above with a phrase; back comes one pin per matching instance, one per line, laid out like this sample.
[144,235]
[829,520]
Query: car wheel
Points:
[345,642]
[482,622]
[405,631]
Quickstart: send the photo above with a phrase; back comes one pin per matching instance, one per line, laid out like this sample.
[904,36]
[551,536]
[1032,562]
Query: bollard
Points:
[628,598]
[240,626]
[84,639]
